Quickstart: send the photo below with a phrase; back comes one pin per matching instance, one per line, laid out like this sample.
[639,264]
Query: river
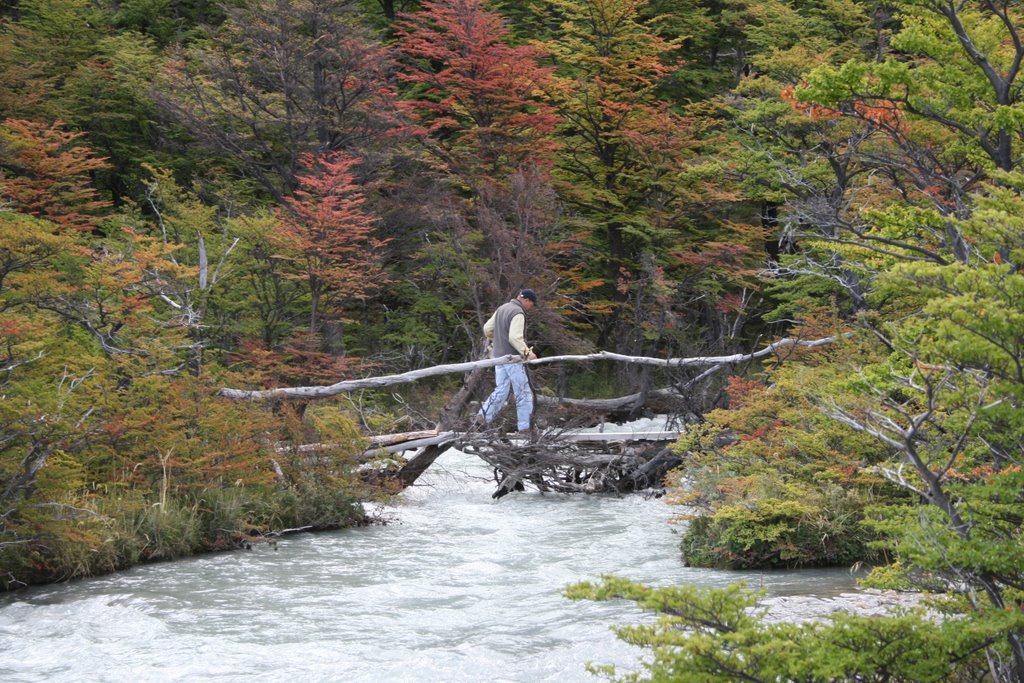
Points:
[454,587]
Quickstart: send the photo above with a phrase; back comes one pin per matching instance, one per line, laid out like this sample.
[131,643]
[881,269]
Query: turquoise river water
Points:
[455,587]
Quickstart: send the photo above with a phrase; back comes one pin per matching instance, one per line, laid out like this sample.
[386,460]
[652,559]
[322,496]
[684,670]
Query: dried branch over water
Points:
[310,392]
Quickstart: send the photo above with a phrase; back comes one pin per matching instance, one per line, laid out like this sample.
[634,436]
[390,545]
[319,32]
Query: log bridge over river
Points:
[556,458]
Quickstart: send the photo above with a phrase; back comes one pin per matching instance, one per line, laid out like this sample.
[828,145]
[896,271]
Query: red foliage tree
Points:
[46,173]
[479,106]
[328,234]
[478,97]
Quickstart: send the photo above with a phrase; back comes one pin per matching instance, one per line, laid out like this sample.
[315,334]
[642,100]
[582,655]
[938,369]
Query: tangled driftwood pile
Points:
[562,463]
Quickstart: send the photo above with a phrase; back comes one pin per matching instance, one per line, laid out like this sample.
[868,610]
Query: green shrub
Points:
[770,482]
[818,528]
[129,528]
[319,506]
[720,635]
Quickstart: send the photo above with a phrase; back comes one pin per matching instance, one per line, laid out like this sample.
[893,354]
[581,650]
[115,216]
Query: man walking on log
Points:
[507,331]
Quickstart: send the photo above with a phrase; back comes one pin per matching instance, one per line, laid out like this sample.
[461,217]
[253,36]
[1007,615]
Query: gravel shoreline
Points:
[869,602]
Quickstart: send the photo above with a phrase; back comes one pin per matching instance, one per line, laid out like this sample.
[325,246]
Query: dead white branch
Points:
[16,364]
[453,368]
[622,402]
[441,439]
[377,441]
[203,263]
[366,383]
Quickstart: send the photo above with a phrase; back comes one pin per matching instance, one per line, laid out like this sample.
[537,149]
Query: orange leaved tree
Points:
[328,234]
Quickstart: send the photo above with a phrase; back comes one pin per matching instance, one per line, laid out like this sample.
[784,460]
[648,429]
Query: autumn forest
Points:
[275,193]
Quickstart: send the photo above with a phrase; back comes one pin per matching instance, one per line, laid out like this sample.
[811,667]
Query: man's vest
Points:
[502,319]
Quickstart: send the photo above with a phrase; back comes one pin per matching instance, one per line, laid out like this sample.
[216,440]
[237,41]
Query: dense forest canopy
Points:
[290,192]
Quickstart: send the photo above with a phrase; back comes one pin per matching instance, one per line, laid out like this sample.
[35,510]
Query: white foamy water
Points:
[456,587]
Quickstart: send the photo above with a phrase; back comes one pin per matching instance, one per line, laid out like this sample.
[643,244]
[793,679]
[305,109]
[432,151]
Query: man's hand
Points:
[530,355]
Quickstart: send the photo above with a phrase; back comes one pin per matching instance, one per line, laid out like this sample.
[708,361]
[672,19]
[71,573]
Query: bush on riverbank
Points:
[116,534]
[773,483]
[162,470]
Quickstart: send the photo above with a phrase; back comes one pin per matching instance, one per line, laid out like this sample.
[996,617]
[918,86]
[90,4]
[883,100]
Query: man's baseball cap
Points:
[528,294]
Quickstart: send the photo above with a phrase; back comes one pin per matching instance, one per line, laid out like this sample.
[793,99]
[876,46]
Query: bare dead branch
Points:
[454,368]
[16,364]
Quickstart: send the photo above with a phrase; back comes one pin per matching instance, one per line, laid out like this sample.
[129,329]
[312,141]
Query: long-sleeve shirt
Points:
[507,329]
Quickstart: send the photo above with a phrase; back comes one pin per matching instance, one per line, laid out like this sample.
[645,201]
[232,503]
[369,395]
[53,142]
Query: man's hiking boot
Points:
[530,434]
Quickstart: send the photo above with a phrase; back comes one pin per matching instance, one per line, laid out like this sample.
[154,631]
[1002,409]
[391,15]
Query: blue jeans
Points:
[507,378]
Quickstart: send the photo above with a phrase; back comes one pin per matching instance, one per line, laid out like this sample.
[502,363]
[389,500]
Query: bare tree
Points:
[279,79]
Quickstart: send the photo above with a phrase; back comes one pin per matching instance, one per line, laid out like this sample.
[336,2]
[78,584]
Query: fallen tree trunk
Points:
[611,405]
[367,382]
[440,439]
[375,442]
[412,470]
[454,368]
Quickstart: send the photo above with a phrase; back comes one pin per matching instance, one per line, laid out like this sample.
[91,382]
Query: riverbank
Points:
[868,602]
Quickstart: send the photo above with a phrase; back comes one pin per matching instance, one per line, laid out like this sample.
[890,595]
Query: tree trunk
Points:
[451,413]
